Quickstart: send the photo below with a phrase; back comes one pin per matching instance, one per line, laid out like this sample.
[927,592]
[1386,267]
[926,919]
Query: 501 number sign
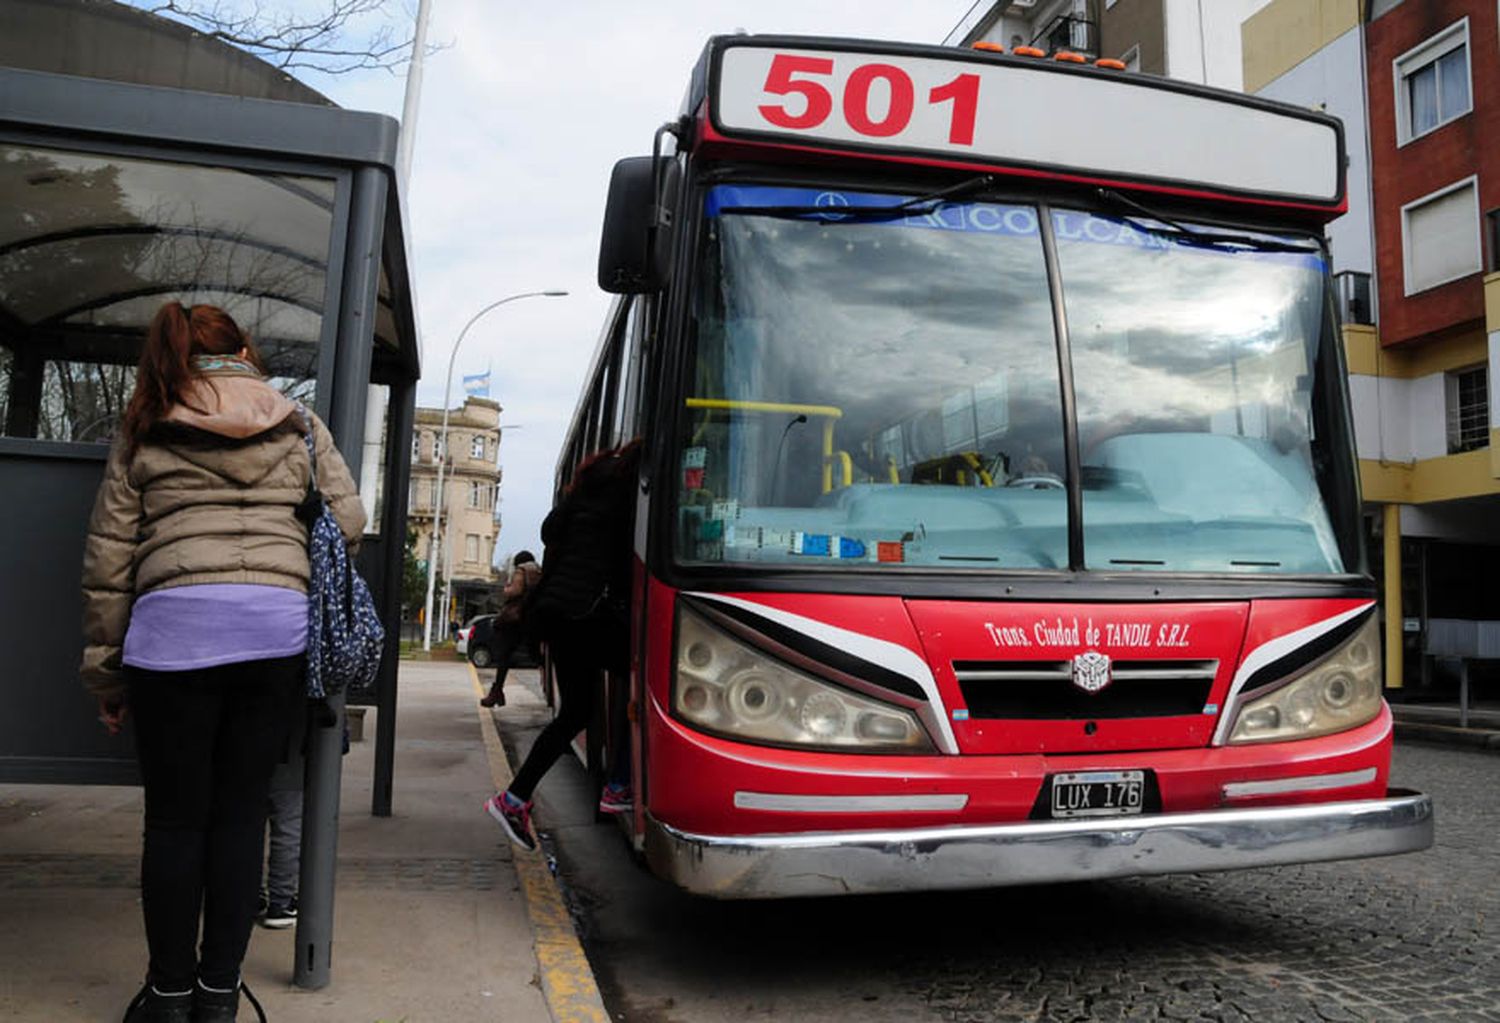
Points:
[811,77]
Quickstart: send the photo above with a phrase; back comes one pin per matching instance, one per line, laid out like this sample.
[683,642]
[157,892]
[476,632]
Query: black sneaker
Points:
[211,1006]
[278,917]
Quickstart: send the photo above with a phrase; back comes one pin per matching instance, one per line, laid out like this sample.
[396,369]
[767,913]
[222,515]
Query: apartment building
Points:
[471,484]
[1417,84]
[1197,42]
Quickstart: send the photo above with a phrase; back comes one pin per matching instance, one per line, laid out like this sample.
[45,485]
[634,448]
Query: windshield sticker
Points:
[981,217]
[694,458]
[1056,632]
[987,218]
[887,550]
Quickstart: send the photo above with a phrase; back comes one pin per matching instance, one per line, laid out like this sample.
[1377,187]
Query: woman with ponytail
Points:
[195,580]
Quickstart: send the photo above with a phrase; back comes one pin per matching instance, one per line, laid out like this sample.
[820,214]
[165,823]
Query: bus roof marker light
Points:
[1069,57]
[1028,51]
[1111,63]
[985,44]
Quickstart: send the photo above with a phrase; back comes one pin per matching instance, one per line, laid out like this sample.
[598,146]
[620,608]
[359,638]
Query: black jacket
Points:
[584,593]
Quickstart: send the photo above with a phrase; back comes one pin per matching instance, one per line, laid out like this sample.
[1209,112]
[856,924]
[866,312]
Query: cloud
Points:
[522,117]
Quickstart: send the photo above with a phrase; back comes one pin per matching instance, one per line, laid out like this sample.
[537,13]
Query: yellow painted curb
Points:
[567,980]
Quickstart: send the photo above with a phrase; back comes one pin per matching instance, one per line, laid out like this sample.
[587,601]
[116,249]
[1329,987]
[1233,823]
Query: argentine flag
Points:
[478,385]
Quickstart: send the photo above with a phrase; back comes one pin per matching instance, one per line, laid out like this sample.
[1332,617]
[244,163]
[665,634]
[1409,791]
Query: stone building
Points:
[471,482]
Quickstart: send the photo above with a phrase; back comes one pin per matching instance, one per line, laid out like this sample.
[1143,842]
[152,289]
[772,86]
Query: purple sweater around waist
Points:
[183,628]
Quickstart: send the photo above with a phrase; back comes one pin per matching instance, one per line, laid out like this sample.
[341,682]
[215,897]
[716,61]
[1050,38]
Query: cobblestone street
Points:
[1414,937]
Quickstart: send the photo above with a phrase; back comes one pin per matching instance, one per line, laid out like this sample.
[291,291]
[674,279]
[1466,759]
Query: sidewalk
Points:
[1439,723]
[433,922]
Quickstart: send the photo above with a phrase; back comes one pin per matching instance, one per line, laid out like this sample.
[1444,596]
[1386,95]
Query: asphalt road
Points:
[1413,937]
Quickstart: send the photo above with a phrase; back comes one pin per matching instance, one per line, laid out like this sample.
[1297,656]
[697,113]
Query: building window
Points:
[416,446]
[476,494]
[1131,58]
[437,448]
[1468,409]
[471,548]
[1440,236]
[476,446]
[1432,82]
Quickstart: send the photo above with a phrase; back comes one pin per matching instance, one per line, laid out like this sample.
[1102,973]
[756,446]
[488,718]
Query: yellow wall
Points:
[1431,479]
[1284,33]
[1492,302]
[1364,354]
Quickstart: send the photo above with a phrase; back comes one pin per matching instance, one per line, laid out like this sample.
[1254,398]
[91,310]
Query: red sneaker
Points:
[514,816]
[616,798]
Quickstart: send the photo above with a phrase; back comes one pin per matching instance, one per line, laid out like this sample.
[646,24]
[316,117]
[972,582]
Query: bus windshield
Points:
[883,389]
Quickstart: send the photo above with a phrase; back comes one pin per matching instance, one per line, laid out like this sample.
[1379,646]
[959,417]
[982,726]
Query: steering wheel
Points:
[1038,481]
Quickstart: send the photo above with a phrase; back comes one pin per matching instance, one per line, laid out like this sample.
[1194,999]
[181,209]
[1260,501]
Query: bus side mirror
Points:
[635,253]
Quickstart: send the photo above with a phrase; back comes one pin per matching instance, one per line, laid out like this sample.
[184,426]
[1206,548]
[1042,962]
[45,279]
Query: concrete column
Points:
[1391,532]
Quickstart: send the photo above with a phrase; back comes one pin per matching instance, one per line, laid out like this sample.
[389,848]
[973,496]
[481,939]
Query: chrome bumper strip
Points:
[1036,852]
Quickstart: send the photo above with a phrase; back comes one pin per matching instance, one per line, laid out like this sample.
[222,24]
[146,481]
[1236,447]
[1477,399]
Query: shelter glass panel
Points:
[92,245]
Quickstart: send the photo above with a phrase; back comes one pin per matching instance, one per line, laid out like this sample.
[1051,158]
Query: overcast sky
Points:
[523,114]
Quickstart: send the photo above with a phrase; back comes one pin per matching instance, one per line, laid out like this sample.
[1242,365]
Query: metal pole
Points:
[413,100]
[1463,693]
[398,476]
[440,499]
[325,746]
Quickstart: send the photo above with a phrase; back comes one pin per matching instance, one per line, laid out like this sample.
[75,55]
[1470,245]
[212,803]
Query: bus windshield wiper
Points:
[915,206]
[1192,236]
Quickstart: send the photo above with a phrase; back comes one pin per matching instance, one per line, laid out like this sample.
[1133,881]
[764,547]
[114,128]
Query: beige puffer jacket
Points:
[208,497]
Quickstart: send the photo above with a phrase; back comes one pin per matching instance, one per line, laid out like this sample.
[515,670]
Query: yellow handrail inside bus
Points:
[828,413]
[846,469]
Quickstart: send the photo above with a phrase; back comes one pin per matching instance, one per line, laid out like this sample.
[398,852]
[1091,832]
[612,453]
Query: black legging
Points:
[578,681]
[207,741]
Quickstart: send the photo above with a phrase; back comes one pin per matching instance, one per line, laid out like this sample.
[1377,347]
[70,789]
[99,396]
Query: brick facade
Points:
[1466,146]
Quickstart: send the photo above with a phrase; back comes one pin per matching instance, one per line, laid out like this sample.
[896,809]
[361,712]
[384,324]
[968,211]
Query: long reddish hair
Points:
[177,333]
[604,468]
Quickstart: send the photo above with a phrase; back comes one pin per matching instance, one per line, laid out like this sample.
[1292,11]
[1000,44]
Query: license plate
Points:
[1097,793]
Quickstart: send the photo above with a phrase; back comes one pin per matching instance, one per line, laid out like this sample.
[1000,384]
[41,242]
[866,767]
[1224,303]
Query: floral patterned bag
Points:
[344,634]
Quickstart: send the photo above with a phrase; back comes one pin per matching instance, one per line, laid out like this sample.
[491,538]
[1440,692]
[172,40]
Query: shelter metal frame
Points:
[357,151]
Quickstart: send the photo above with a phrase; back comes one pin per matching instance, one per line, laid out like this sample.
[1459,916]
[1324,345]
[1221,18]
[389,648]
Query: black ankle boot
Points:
[151,1006]
[215,1006]
[221,1006]
[496,697]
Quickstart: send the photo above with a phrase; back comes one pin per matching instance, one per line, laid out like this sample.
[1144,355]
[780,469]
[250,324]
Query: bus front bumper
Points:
[1036,852]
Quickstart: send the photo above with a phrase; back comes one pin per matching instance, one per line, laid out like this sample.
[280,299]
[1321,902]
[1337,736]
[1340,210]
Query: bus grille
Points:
[1044,690]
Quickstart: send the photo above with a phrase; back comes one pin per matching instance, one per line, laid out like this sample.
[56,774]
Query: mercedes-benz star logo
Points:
[831,201]
[1091,671]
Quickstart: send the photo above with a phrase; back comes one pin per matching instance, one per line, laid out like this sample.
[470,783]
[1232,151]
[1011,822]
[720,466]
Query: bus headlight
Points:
[1339,692]
[726,686]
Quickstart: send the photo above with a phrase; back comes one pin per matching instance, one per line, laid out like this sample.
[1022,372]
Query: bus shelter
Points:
[114,198]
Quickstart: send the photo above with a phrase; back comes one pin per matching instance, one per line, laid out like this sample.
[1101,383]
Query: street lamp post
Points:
[440,502]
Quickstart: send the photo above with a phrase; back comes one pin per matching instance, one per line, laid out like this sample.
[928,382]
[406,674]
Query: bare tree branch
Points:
[334,36]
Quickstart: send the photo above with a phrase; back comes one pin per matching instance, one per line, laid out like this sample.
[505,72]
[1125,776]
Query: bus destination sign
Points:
[1118,127]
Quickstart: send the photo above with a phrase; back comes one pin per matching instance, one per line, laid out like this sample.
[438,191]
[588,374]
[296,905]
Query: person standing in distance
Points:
[195,576]
[508,630]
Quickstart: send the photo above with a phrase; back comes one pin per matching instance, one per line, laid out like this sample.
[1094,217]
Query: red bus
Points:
[999,521]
